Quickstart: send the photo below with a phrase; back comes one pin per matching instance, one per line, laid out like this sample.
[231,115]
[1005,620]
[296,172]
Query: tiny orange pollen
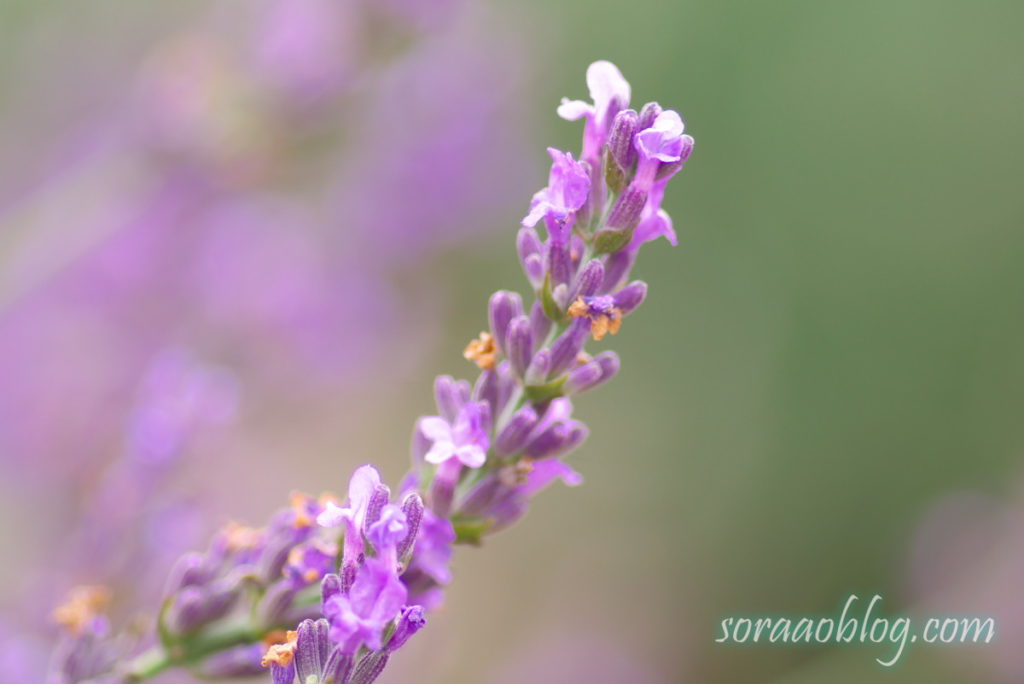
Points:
[482,351]
[240,536]
[82,605]
[578,309]
[281,653]
[300,504]
[601,324]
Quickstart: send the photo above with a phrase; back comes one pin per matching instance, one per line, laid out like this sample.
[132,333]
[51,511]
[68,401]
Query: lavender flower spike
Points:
[493,446]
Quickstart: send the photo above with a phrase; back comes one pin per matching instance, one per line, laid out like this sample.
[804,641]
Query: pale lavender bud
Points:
[533,267]
[378,500]
[537,373]
[275,555]
[648,114]
[520,345]
[330,586]
[559,439]
[479,497]
[370,667]
[239,661]
[630,297]
[610,363]
[620,140]
[193,607]
[582,377]
[189,570]
[560,295]
[531,255]
[316,659]
[617,269]
[540,324]
[420,445]
[276,605]
[282,674]
[505,383]
[589,280]
[504,306]
[349,568]
[338,667]
[625,215]
[442,489]
[560,262]
[527,243]
[410,621]
[568,346]
[595,372]
[413,509]
[450,395]
[512,438]
[485,390]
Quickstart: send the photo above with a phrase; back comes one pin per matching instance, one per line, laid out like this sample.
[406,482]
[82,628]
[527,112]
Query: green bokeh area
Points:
[837,341]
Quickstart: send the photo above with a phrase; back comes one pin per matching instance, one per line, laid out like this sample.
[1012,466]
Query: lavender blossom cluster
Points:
[358,577]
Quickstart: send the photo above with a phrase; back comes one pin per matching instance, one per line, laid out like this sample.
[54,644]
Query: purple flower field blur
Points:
[226,237]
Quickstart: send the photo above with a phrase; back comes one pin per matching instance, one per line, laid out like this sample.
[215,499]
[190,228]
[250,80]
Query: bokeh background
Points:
[239,238]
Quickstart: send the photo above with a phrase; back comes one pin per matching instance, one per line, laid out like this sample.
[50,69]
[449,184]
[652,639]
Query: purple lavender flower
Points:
[466,440]
[375,598]
[567,190]
[610,93]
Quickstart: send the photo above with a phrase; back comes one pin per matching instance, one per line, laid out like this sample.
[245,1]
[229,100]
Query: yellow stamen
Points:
[601,324]
[481,351]
[281,653]
[300,504]
[240,537]
[82,605]
[579,308]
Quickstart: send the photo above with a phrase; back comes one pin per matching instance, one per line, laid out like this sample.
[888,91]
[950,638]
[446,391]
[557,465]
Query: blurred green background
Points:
[834,346]
[835,343]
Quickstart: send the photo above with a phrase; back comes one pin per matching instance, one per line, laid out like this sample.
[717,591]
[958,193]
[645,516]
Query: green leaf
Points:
[610,240]
[540,393]
[471,531]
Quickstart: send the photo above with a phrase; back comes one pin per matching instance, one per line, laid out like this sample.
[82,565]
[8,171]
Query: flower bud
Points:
[412,506]
[582,377]
[410,621]
[625,215]
[504,306]
[559,439]
[514,435]
[560,262]
[370,667]
[540,324]
[648,114]
[588,281]
[531,256]
[630,297]
[520,345]
[329,586]
[450,395]
[620,140]
[568,346]
[378,500]
[537,373]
